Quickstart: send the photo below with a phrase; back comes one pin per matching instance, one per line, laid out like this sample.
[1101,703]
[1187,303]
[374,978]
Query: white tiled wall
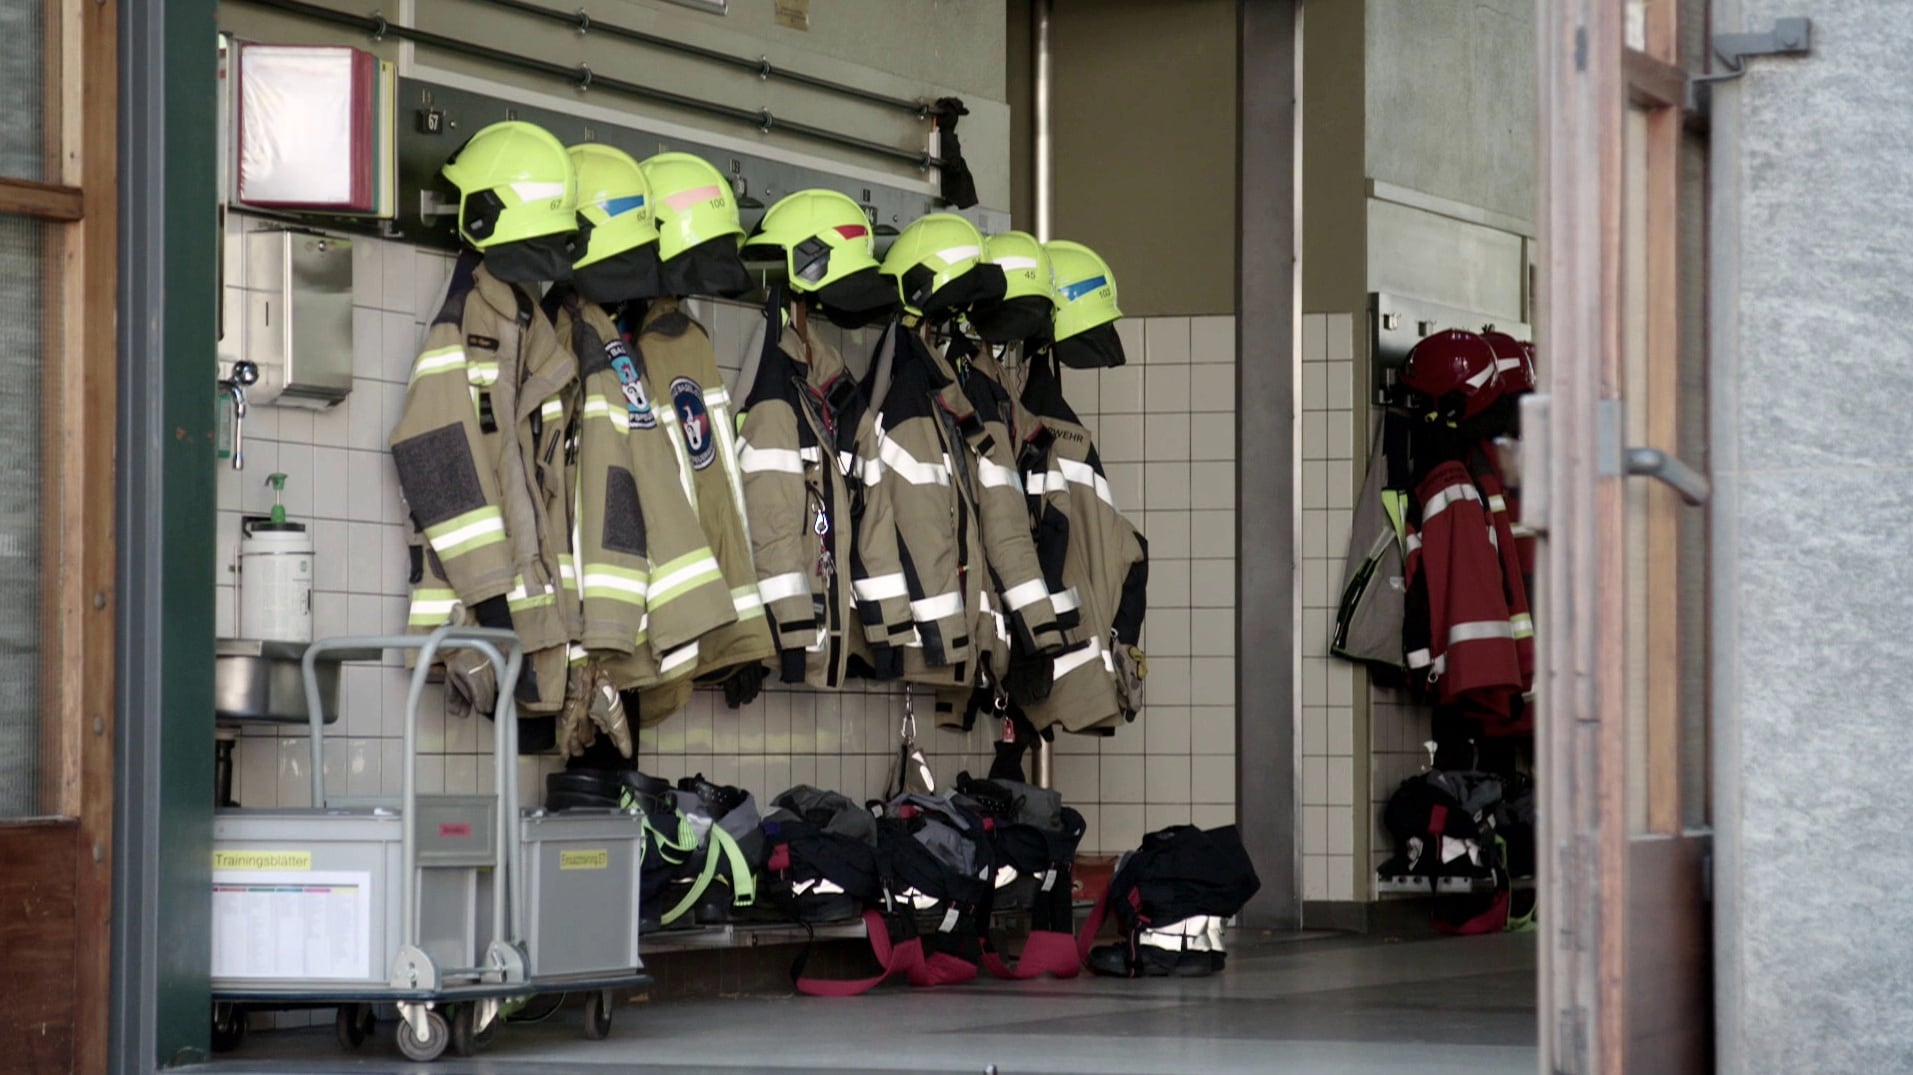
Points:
[1173,470]
[1333,800]
[1165,427]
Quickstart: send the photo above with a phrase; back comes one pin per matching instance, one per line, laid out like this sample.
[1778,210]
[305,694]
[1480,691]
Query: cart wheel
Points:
[464,1032]
[229,1027]
[483,1038]
[353,1025]
[437,1036]
[598,1015]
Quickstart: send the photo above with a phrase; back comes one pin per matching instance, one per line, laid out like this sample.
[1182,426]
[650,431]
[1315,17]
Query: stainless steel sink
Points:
[263,681]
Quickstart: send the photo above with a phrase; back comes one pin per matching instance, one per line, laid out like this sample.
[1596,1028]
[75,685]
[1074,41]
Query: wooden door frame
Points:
[1589,79]
[77,197]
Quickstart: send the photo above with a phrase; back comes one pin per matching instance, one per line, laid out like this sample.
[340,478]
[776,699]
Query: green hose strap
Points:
[697,888]
[743,884]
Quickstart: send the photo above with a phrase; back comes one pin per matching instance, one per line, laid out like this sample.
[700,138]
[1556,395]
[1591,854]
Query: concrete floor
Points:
[1324,1004]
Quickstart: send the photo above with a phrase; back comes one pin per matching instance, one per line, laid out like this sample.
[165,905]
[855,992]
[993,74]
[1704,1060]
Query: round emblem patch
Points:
[699,437]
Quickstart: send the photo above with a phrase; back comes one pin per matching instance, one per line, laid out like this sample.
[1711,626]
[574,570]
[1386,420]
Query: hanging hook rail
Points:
[759,66]
[578,79]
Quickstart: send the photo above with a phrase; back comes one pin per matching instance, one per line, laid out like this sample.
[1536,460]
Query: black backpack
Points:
[1178,872]
[820,856]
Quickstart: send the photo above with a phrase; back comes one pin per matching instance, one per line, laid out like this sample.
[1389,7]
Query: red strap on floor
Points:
[905,957]
[1046,952]
[1086,939]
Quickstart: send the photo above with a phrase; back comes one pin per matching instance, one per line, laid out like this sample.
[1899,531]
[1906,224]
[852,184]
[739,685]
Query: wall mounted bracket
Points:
[1791,36]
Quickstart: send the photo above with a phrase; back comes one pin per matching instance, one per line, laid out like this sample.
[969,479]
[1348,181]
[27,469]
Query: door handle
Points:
[1653,463]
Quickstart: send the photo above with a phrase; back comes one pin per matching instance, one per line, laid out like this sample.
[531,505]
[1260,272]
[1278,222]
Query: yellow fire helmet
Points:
[938,266]
[515,182]
[1029,301]
[695,211]
[825,242]
[620,257]
[1086,310]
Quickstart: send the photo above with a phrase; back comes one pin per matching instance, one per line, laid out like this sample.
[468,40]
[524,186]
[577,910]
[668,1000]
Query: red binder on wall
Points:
[308,128]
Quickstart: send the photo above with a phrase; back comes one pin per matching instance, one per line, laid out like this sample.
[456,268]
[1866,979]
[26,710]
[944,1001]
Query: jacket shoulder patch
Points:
[483,343]
[637,402]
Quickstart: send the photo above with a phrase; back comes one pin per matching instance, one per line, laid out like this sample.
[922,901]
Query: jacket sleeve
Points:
[916,484]
[447,469]
[777,499]
[687,596]
[876,568]
[1004,518]
[609,539]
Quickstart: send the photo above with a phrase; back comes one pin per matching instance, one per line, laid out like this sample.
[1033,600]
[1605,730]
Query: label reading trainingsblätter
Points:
[262,860]
[584,860]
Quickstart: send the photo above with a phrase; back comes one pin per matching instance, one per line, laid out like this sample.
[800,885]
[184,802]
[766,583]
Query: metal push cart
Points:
[419,904]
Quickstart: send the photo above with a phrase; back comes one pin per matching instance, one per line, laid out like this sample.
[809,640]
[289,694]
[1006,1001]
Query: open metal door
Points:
[1616,453]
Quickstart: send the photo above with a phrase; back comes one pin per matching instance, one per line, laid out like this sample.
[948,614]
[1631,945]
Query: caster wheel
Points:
[465,1030]
[598,1015]
[229,1027]
[483,1038]
[437,1036]
[353,1025]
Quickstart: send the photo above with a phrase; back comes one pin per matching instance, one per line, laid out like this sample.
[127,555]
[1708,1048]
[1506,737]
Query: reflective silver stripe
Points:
[1067,601]
[744,600]
[880,587]
[1520,531]
[717,397]
[1494,538]
[1419,658]
[1414,542]
[907,467]
[846,461]
[1070,662]
[998,477]
[779,587]
[1445,499]
[1479,630]
[1497,502]
[763,460]
[1084,474]
[1048,481]
[1022,596]
[1523,625]
[811,454]
[940,607]
[678,658]
[1481,378]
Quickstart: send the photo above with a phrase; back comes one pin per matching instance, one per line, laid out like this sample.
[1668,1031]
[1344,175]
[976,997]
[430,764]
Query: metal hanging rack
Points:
[583,79]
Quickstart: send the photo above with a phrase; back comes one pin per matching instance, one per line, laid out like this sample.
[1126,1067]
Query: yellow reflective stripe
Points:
[749,605]
[1523,625]
[683,574]
[599,407]
[438,360]
[431,606]
[464,533]
[481,374]
[553,409]
[616,584]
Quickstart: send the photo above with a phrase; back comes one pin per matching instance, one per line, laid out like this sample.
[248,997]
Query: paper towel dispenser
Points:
[297,291]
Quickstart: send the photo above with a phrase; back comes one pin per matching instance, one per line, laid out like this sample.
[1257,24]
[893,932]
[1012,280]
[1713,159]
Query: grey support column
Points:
[1267,305]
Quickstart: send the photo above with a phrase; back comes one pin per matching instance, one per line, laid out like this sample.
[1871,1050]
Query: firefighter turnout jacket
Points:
[481,461]
[675,354]
[650,585]
[1084,542]
[823,536]
[1459,631]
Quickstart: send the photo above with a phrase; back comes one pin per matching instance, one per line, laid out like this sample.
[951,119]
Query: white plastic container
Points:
[275,577]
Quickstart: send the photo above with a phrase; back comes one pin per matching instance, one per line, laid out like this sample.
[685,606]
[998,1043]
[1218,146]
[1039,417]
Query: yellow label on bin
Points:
[262,860]
[584,860]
